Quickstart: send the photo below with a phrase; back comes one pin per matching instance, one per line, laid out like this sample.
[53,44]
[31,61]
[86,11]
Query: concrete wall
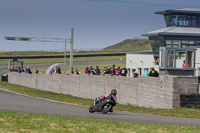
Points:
[161,92]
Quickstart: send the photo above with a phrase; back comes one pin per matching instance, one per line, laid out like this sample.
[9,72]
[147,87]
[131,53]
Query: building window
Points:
[198,43]
[180,58]
[185,20]
[170,62]
[190,59]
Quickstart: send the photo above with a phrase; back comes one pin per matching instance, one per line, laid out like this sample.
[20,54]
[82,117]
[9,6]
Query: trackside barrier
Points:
[161,92]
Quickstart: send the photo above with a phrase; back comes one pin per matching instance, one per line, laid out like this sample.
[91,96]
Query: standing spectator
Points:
[153,73]
[117,71]
[135,74]
[59,70]
[19,70]
[77,72]
[97,70]
[72,70]
[86,70]
[11,67]
[108,70]
[22,70]
[113,69]
[29,70]
[36,71]
[146,73]
[104,71]
[51,72]
[123,71]
[25,69]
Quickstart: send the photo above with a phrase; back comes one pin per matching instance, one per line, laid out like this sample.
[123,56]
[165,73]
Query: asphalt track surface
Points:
[4,69]
[21,103]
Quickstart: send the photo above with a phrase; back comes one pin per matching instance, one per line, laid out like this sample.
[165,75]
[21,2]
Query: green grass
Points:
[178,112]
[4,62]
[131,45]
[37,123]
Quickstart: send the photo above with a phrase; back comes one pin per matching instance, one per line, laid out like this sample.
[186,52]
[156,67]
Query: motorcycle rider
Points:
[113,93]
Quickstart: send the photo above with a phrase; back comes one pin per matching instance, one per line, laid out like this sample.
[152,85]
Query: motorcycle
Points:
[103,106]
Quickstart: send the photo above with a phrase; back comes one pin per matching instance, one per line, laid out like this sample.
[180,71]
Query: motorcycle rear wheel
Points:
[106,108]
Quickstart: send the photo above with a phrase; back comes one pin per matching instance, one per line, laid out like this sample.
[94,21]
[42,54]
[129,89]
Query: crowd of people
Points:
[152,73]
[106,71]
[57,70]
[96,71]
[27,70]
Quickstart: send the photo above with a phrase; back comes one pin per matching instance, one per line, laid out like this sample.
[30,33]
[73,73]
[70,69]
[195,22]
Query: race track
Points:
[21,103]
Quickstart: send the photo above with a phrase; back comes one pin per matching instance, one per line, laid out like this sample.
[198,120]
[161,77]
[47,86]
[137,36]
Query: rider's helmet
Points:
[114,92]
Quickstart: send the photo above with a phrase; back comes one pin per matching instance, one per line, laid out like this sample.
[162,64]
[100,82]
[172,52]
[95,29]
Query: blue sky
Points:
[96,23]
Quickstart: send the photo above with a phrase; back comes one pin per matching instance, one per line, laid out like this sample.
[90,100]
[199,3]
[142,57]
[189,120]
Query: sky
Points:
[96,23]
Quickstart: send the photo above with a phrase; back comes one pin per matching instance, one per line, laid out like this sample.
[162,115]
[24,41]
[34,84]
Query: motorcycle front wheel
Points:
[106,108]
[91,109]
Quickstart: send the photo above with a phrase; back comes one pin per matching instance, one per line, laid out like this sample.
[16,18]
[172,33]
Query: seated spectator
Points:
[36,71]
[146,73]
[135,74]
[123,71]
[153,73]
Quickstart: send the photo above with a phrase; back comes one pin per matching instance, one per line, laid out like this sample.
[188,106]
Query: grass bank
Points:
[4,62]
[178,112]
[21,122]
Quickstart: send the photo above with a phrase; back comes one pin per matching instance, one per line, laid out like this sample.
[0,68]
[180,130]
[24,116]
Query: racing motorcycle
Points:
[103,106]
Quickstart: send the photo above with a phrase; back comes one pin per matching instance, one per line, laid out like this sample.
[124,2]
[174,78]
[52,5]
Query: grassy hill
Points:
[130,45]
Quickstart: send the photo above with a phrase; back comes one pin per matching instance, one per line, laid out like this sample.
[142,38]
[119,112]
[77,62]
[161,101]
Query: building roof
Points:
[173,30]
[180,10]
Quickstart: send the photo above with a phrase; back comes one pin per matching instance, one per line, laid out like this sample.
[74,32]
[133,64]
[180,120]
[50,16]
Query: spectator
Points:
[59,70]
[108,70]
[104,71]
[36,71]
[72,70]
[52,71]
[146,73]
[11,67]
[113,69]
[135,74]
[97,70]
[22,70]
[123,71]
[112,72]
[86,70]
[29,70]
[117,71]
[19,70]
[153,73]
[77,72]
[25,69]
[91,70]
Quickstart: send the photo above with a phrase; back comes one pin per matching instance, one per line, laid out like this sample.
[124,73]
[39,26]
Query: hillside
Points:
[131,45]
